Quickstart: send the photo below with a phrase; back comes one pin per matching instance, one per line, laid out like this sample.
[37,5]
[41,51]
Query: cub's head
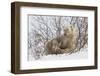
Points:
[68,30]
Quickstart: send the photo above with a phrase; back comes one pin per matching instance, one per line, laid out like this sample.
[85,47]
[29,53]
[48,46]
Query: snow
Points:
[83,54]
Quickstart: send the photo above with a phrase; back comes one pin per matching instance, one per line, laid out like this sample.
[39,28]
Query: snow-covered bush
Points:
[42,29]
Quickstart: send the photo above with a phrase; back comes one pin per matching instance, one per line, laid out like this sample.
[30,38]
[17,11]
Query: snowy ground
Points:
[83,54]
[77,55]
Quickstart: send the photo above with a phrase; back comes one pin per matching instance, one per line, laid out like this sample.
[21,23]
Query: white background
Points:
[5,41]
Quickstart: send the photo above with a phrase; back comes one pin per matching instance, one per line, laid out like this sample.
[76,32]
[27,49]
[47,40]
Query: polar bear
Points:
[63,43]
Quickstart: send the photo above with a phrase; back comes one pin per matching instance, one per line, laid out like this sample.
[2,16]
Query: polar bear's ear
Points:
[64,28]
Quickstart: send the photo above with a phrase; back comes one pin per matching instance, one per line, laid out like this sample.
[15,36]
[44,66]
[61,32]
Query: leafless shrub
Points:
[44,28]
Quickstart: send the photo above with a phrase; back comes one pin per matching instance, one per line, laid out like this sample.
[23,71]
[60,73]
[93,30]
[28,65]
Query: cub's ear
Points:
[64,28]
